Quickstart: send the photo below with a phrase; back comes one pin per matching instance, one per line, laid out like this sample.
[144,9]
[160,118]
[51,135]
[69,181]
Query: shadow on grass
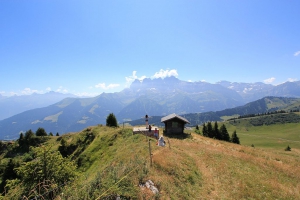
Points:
[181,136]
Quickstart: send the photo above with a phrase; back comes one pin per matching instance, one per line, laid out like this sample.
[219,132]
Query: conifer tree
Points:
[210,130]
[216,132]
[29,135]
[21,140]
[224,133]
[29,138]
[111,120]
[204,130]
[40,132]
[234,138]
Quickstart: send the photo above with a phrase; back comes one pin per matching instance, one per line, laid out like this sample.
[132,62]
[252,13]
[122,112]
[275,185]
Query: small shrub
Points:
[288,148]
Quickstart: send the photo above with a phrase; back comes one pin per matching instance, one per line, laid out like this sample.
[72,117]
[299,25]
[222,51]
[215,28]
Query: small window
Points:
[174,124]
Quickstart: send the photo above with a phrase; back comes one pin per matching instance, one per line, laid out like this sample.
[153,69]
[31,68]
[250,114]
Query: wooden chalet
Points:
[174,124]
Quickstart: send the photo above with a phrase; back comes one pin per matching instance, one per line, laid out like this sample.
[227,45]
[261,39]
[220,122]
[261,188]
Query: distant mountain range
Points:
[13,105]
[155,97]
[261,106]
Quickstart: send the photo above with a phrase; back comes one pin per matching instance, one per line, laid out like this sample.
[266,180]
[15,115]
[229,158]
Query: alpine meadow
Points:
[149,100]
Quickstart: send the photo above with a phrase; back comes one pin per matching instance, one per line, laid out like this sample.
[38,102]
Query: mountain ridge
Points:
[13,105]
[155,97]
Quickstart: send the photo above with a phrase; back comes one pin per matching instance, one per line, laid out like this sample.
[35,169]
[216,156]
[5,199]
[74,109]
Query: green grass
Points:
[277,136]
[116,161]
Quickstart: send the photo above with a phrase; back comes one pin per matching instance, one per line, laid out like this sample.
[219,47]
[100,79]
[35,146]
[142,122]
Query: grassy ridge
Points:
[192,168]
[116,162]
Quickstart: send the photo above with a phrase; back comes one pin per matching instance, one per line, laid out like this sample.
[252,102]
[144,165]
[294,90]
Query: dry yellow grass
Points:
[192,168]
[203,168]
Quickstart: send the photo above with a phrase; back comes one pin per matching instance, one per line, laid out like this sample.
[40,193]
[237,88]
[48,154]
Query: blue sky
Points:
[90,47]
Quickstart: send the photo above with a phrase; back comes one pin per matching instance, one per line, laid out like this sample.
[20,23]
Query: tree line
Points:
[208,130]
[263,114]
[29,138]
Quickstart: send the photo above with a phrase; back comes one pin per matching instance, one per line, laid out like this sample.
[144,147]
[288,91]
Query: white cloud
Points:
[106,87]
[297,53]
[28,91]
[12,93]
[269,80]
[61,90]
[48,89]
[165,73]
[161,74]
[130,79]
[292,79]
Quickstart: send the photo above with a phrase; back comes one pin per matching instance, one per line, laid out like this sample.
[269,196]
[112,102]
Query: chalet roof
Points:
[171,116]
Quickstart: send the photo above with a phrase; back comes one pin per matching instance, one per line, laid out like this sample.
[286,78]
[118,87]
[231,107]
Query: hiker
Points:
[156,133]
[161,142]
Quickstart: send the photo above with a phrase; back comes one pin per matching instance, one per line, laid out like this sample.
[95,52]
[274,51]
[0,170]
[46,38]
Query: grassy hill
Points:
[112,162]
[275,136]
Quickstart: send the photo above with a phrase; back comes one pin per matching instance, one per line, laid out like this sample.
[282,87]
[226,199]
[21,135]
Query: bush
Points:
[111,120]
[288,148]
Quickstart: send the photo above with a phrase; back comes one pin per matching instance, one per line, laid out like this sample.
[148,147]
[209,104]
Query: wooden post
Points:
[150,154]
[169,143]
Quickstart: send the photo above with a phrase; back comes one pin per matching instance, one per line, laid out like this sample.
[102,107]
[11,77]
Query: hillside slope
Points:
[115,162]
[13,105]
[264,105]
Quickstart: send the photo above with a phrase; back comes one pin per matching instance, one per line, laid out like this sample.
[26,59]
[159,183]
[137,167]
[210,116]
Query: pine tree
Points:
[234,138]
[204,130]
[216,132]
[29,138]
[40,132]
[21,140]
[111,120]
[224,133]
[210,130]
[29,135]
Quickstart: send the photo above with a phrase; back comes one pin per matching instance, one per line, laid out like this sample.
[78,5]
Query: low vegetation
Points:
[102,162]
